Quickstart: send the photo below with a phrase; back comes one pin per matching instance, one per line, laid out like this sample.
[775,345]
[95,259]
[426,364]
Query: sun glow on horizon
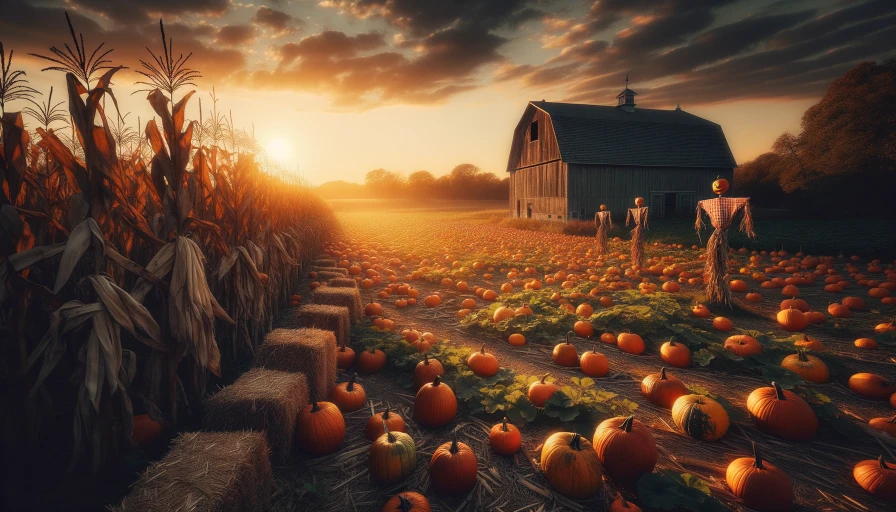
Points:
[280,150]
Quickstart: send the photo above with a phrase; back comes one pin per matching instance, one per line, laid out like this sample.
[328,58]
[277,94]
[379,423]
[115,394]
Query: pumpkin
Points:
[392,457]
[760,484]
[504,438]
[593,363]
[720,323]
[630,343]
[816,317]
[720,186]
[345,357]
[742,345]
[426,371]
[810,343]
[453,468]
[373,309]
[584,310]
[621,505]
[700,311]
[503,313]
[408,501]
[661,389]
[877,477]
[782,413]
[583,328]
[871,385]
[516,339]
[675,354]
[887,425]
[885,327]
[626,448]
[482,363]
[790,291]
[348,396]
[608,337]
[792,319]
[753,297]
[866,343]
[370,361]
[377,421]
[432,301]
[146,430]
[809,368]
[320,428]
[700,417]
[540,391]
[571,466]
[738,285]
[435,404]
[565,353]
[639,201]
[853,303]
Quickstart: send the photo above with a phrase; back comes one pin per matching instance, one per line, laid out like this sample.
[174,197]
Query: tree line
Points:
[465,181]
[843,161]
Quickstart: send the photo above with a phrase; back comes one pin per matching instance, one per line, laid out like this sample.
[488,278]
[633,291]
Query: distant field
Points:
[377,205]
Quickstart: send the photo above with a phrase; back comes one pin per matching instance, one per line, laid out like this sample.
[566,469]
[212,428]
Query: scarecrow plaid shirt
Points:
[721,212]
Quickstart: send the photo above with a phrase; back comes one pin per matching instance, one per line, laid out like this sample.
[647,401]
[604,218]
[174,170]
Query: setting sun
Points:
[279,149]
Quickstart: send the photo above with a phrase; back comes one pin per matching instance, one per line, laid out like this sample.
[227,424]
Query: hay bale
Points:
[325,276]
[264,400]
[309,351]
[346,297]
[328,318]
[324,262]
[343,282]
[207,472]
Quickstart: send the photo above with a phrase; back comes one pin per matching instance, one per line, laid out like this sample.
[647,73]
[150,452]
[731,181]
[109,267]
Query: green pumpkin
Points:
[392,457]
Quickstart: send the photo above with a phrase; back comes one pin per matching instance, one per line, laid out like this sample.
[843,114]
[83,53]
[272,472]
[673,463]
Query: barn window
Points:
[533,131]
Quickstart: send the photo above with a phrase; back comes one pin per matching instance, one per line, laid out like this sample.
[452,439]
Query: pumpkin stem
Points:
[454,448]
[801,355]
[545,377]
[482,350]
[426,358]
[504,424]
[403,504]
[575,443]
[370,403]
[342,347]
[672,341]
[389,435]
[386,413]
[351,382]
[627,424]
[663,373]
[373,349]
[568,336]
[779,393]
[882,462]
[437,380]
[314,407]
[757,458]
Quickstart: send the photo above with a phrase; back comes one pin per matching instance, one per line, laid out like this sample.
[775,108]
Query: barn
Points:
[567,159]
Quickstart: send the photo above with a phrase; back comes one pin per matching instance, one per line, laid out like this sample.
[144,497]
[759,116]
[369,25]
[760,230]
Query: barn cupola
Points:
[626,98]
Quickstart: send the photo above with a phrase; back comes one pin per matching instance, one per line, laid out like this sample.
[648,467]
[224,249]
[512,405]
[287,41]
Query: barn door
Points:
[657,205]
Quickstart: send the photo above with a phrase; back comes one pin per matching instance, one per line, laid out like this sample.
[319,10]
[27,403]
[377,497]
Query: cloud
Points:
[279,23]
[133,12]
[235,35]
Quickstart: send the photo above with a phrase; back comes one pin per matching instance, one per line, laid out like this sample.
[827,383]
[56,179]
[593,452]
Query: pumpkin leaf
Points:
[703,357]
[785,378]
[560,406]
[670,491]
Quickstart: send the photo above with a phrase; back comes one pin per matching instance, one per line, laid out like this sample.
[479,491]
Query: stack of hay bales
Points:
[207,472]
[324,262]
[342,282]
[263,400]
[346,297]
[324,276]
[311,352]
[328,318]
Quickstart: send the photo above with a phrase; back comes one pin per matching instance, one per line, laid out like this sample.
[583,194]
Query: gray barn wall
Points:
[617,186]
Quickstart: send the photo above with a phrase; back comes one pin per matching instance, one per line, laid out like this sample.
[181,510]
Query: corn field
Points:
[139,265]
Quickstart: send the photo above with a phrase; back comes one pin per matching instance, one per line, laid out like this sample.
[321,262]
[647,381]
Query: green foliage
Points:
[667,490]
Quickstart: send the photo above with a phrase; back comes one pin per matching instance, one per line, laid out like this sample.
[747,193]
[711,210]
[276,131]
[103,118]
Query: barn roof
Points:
[596,134]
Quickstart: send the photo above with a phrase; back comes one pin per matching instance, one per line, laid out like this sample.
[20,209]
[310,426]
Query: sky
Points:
[335,88]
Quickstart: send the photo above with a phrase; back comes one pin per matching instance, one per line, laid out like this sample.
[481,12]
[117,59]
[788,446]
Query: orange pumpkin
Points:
[626,448]
[809,368]
[630,343]
[871,385]
[675,354]
[866,343]
[370,361]
[853,303]
[639,201]
[373,309]
[503,313]
[720,186]
[782,413]
[760,484]
[877,477]
[482,363]
[146,430]
[662,389]
[583,328]
[792,319]
[345,357]
[885,327]
[810,343]
[886,425]
[720,323]
[408,501]
[426,371]
[799,304]
[700,311]
[453,468]
[541,390]
[375,424]
[608,337]
[570,465]
[348,396]
[742,345]
[565,353]
[700,417]
[320,428]
[620,505]
[593,363]
[504,438]
[435,404]
[516,339]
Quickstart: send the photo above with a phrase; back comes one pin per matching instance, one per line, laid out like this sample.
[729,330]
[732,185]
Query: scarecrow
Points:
[637,216]
[721,212]
[604,223]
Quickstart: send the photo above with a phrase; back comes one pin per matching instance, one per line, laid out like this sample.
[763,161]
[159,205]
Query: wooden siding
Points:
[542,186]
[542,150]
[617,186]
